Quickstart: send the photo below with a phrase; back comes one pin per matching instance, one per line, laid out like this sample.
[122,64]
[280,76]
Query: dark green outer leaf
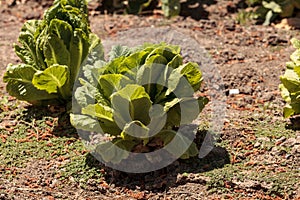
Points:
[178,145]
[92,70]
[55,51]
[88,94]
[84,122]
[72,15]
[19,84]
[175,62]
[165,51]
[115,151]
[193,74]
[135,130]
[291,84]
[62,30]
[99,111]
[79,49]
[132,62]
[118,51]
[171,8]
[80,4]
[179,85]
[27,52]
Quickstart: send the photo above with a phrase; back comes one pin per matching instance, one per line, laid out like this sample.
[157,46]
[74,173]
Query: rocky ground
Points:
[258,154]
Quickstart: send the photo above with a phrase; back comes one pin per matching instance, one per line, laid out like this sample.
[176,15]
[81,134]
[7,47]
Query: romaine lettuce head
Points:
[52,51]
[290,83]
[140,95]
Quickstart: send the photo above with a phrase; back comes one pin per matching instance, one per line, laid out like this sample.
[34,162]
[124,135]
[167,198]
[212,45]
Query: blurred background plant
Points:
[170,8]
[266,12]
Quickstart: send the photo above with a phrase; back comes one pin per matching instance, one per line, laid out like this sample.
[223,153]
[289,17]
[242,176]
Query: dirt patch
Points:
[263,153]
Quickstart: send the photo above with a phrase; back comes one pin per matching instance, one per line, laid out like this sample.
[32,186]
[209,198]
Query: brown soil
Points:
[250,58]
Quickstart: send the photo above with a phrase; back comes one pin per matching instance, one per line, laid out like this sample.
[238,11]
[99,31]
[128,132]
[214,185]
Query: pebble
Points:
[230,26]
[280,140]
[234,91]
[288,156]
[248,99]
[277,152]
[71,178]
[240,56]
[257,144]
[296,149]
[247,90]
[298,140]
[266,139]
[269,97]
[289,142]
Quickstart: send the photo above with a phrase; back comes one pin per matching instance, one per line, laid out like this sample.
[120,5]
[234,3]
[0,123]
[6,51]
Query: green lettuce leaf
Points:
[84,122]
[140,95]
[290,83]
[135,130]
[104,115]
[55,48]
[171,8]
[115,151]
[111,83]
[128,104]
[19,83]
[178,144]
[55,51]
[52,79]
[118,51]
[27,52]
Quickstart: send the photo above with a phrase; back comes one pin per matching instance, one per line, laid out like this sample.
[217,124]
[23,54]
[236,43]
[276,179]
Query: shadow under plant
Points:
[167,177]
[54,116]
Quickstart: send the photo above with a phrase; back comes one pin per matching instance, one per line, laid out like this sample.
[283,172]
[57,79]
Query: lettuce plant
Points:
[290,83]
[52,51]
[271,9]
[138,98]
[170,8]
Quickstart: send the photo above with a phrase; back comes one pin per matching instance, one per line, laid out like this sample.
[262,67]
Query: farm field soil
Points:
[257,156]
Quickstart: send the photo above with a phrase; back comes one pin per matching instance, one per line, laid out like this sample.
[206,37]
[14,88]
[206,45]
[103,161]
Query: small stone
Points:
[240,56]
[298,139]
[288,156]
[71,178]
[280,140]
[277,152]
[247,90]
[11,2]
[269,97]
[257,144]
[234,91]
[266,139]
[296,149]
[289,142]
[54,183]
[230,26]
[215,86]
[248,99]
